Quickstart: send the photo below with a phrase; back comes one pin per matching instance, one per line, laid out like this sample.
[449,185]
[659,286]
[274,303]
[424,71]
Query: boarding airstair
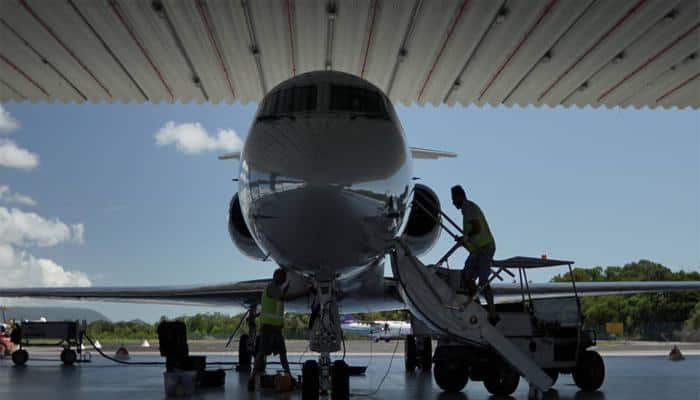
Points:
[434,302]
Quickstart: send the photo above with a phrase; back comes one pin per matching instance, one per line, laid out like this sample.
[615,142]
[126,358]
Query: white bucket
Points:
[179,384]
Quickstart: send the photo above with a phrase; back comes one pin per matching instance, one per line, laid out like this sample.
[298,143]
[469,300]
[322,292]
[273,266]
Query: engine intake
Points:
[238,230]
[423,228]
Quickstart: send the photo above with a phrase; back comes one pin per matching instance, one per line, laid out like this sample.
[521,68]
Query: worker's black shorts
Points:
[478,264]
[271,340]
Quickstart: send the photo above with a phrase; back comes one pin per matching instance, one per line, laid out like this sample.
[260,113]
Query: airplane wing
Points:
[246,293]
[419,153]
[227,294]
[508,292]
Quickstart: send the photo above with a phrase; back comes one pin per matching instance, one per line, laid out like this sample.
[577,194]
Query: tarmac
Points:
[635,375]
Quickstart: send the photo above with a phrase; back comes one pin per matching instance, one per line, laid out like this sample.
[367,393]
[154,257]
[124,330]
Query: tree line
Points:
[650,316]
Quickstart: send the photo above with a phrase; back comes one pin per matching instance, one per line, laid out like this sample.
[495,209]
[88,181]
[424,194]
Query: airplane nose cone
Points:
[322,227]
[324,194]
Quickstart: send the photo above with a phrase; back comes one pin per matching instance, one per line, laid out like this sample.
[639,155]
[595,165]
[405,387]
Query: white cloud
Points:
[7,122]
[16,157]
[8,196]
[21,228]
[192,138]
[21,269]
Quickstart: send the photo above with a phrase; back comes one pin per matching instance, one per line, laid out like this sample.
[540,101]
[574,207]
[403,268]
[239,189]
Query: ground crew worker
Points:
[481,245]
[272,321]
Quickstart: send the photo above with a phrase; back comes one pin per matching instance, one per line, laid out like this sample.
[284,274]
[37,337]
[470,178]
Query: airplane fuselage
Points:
[325,178]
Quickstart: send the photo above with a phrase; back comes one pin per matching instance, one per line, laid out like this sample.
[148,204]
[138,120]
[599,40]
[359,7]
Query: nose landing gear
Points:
[326,337]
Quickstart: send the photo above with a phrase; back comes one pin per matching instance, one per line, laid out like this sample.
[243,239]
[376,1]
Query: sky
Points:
[128,195]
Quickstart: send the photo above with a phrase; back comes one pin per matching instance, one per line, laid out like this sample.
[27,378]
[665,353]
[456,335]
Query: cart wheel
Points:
[553,375]
[68,356]
[426,355]
[310,384]
[410,352]
[502,382]
[20,357]
[451,374]
[590,371]
[340,381]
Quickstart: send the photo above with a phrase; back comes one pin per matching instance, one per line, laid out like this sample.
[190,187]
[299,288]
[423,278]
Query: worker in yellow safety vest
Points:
[272,322]
[481,245]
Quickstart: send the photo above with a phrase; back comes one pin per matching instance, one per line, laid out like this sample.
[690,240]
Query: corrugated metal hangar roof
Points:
[569,52]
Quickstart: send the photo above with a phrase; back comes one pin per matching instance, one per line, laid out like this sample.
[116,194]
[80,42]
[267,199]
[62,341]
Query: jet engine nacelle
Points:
[239,232]
[422,229]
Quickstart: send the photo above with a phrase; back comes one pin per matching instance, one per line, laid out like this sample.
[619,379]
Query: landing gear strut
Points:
[326,337]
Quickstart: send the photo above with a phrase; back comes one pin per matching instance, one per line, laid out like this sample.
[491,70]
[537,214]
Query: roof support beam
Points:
[647,62]
[676,88]
[211,33]
[43,59]
[450,31]
[457,82]
[403,49]
[588,51]
[64,46]
[370,32]
[13,90]
[159,9]
[290,25]
[331,12]
[107,48]
[114,6]
[254,50]
[24,74]
[512,54]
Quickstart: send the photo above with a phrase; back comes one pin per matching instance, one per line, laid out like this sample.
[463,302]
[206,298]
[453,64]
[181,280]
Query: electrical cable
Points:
[121,361]
[375,391]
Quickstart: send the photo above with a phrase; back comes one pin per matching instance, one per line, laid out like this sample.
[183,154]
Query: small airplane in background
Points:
[377,330]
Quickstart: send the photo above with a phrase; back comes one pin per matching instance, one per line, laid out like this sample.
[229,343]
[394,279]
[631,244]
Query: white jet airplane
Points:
[325,191]
[377,330]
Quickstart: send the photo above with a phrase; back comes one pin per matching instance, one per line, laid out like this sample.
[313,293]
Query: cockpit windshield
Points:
[356,99]
[291,100]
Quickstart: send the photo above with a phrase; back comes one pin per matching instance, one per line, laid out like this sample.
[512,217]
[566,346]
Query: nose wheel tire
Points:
[502,382]
[68,357]
[451,375]
[20,357]
[590,371]
[340,381]
[410,353]
[310,384]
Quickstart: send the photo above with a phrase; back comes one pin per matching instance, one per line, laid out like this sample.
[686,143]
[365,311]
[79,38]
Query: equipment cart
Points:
[66,334]
[549,330]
